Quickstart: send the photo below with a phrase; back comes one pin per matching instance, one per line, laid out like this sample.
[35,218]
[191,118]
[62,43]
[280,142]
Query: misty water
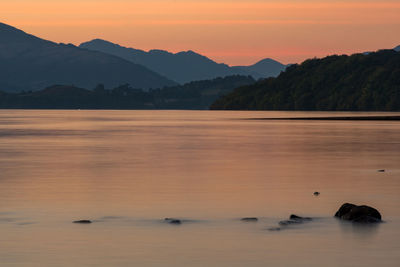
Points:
[128,170]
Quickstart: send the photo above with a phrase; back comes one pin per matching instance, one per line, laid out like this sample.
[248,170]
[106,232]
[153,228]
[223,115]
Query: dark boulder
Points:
[344,209]
[360,214]
[316,193]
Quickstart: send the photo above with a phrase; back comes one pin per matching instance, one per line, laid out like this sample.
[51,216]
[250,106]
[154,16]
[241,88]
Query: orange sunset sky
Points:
[234,32]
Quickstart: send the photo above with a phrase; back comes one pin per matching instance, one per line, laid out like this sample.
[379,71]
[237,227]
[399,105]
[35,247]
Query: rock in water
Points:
[274,229]
[360,214]
[344,209]
[249,219]
[83,221]
[298,218]
[173,221]
[294,219]
[316,193]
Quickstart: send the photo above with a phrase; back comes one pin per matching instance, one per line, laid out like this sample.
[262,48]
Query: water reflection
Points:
[359,230]
[128,170]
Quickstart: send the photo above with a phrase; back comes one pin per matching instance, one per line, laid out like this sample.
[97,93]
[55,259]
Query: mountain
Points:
[360,82]
[272,67]
[186,66]
[194,95]
[30,63]
[397,48]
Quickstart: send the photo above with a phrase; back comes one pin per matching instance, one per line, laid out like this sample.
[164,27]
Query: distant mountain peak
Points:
[190,52]
[264,68]
[267,61]
[158,51]
[100,41]
[397,48]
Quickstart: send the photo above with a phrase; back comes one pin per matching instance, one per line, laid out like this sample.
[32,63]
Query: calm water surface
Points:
[127,170]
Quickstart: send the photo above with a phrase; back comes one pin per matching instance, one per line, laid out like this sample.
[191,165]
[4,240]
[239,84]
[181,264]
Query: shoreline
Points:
[337,118]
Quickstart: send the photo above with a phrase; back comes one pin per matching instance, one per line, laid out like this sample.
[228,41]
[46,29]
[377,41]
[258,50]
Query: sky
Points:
[234,32]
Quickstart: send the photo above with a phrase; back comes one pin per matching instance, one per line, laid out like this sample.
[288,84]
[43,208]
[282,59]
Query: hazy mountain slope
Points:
[198,94]
[361,82]
[194,95]
[31,63]
[397,48]
[183,66]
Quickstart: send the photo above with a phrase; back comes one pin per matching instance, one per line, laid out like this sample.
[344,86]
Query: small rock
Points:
[381,170]
[316,193]
[249,219]
[298,218]
[274,229]
[83,221]
[294,219]
[173,221]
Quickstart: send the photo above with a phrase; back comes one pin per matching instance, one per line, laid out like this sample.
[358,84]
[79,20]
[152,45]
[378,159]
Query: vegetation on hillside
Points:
[360,82]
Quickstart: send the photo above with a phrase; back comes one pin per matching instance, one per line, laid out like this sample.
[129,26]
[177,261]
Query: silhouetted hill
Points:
[30,63]
[194,95]
[269,66]
[361,82]
[183,66]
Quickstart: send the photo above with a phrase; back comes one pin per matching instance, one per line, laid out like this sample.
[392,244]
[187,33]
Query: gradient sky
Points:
[234,32]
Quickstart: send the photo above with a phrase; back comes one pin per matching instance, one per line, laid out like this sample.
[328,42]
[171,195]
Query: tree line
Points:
[360,82]
[193,95]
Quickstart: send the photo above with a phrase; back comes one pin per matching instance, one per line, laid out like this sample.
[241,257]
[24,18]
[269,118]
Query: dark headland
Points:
[337,118]
[360,82]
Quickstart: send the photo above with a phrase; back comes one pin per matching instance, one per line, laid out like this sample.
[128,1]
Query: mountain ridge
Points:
[184,66]
[28,62]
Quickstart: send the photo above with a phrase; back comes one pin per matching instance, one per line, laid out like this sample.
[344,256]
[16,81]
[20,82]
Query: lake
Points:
[128,170]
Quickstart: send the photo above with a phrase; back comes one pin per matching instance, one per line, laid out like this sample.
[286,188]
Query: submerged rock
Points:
[288,222]
[173,221]
[274,229]
[359,214]
[249,219]
[294,219]
[83,221]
